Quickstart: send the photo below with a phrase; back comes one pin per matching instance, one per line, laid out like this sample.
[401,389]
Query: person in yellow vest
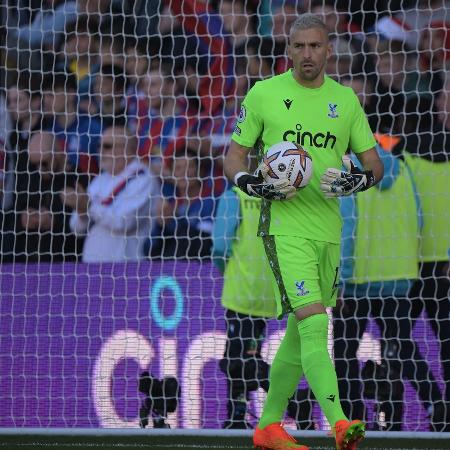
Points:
[427,144]
[249,300]
[379,266]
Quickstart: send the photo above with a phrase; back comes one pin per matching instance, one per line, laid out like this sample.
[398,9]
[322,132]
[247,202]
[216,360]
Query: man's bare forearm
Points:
[371,161]
[236,160]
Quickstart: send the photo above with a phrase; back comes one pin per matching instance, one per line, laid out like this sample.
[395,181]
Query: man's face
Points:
[309,50]
[113,153]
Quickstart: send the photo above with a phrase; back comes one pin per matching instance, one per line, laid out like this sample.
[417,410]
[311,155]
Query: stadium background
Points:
[64,320]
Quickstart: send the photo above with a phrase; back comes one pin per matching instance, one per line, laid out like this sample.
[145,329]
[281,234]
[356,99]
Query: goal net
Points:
[119,226]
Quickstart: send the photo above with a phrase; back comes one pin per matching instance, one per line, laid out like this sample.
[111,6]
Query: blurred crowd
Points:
[115,115]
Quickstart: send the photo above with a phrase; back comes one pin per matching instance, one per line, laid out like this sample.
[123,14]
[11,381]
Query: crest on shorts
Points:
[301,290]
[332,113]
[242,114]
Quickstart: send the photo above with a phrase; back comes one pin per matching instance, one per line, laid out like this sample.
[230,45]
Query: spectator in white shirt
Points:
[116,211]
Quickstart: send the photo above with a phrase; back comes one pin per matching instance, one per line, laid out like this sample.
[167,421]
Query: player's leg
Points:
[349,323]
[232,366]
[436,295]
[313,331]
[306,298]
[321,375]
[389,387]
[295,263]
[285,373]
[258,374]
[312,325]
[432,293]
[299,407]
[242,364]
[402,348]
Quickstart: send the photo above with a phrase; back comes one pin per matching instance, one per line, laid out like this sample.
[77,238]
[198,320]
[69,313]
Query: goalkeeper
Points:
[249,299]
[302,235]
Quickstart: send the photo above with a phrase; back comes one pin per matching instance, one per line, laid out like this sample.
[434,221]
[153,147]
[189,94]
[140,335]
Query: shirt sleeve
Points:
[361,136]
[249,124]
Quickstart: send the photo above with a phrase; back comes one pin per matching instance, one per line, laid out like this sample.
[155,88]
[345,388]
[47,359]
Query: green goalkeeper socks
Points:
[304,348]
[318,368]
[285,374]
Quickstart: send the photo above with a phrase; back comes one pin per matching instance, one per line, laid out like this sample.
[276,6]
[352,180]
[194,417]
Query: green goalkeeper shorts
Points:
[305,271]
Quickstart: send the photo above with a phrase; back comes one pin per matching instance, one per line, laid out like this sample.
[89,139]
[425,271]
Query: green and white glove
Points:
[339,183]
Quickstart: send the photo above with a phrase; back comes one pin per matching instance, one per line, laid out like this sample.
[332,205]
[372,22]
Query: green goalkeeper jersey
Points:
[326,121]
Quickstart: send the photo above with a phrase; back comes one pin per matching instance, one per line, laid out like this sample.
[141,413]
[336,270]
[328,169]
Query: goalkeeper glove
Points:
[338,183]
[255,185]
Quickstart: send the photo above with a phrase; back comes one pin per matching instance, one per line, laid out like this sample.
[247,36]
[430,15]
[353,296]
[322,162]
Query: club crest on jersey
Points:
[332,113]
[242,114]
[301,290]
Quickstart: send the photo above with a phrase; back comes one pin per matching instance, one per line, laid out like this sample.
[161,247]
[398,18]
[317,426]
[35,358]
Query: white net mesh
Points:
[117,221]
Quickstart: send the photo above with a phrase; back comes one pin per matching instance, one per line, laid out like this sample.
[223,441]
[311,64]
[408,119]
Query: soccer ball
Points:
[287,160]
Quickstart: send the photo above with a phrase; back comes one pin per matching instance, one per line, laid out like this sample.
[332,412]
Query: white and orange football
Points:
[288,161]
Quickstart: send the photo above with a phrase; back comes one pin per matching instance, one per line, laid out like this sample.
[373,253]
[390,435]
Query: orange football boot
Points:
[348,434]
[275,437]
